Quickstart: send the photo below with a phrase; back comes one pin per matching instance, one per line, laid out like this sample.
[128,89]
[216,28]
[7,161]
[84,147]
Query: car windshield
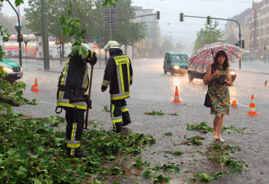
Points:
[180,58]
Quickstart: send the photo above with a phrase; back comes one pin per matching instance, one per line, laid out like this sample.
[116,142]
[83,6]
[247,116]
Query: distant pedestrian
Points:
[218,91]
[119,76]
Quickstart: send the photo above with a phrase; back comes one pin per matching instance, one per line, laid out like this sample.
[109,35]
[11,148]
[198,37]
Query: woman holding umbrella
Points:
[218,77]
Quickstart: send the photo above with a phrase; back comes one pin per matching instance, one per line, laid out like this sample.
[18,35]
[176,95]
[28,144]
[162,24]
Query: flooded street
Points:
[152,90]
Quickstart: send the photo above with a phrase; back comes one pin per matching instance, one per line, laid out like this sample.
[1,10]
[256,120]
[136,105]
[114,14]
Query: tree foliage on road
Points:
[208,34]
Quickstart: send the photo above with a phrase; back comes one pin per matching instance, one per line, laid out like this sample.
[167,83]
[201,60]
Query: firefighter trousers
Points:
[74,128]
[119,114]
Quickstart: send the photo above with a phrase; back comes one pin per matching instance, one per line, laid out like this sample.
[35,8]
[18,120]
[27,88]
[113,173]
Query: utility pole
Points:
[19,32]
[110,27]
[45,35]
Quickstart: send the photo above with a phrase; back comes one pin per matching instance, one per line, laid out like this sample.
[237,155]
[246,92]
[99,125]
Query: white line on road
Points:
[242,105]
[48,103]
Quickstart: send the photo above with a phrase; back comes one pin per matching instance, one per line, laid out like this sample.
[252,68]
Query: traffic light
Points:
[208,21]
[20,38]
[181,17]
[61,41]
[157,15]
[243,44]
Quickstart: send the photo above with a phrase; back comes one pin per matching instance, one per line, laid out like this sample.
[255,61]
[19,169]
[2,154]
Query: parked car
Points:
[199,75]
[174,62]
[13,69]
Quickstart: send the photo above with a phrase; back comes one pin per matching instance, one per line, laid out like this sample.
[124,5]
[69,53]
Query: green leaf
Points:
[234,170]
[36,181]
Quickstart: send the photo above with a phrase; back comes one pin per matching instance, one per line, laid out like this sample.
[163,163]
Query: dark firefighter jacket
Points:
[119,75]
[73,82]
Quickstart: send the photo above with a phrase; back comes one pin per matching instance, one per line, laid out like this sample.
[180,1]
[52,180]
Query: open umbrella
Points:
[203,57]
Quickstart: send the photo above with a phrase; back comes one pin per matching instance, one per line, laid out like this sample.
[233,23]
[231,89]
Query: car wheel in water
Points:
[190,77]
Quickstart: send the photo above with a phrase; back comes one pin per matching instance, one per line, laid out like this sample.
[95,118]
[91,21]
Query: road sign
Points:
[17,28]
[97,39]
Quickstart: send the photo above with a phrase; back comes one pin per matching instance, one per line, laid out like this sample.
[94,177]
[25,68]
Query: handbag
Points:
[207,102]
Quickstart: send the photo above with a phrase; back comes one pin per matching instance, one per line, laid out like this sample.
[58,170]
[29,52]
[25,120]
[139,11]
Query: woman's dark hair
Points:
[225,64]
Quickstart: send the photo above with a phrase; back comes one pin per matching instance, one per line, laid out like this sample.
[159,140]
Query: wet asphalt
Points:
[154,90]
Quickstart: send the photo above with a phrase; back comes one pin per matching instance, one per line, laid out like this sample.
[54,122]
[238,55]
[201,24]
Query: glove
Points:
[93,60]
[89,103]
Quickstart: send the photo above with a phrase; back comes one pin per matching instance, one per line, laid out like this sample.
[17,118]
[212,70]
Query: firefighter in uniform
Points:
[119,76]
[71,96]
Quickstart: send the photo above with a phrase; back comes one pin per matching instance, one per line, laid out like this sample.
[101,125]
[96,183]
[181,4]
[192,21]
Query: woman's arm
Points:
[208,77]
[229,78]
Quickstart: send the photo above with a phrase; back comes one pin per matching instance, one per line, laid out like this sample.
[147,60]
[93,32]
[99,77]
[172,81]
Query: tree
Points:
[209,34]
[128,32]
[166,47]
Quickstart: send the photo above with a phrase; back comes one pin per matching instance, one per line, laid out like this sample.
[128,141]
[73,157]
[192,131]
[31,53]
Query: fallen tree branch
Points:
[9,101]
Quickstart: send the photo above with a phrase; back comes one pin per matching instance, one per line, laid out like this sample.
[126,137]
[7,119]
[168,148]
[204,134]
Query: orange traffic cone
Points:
[35,86]
[265,84]
[176,98]
[234,104]
[252,108]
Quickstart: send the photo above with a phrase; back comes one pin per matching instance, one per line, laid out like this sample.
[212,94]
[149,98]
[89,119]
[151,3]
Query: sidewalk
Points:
[254,66]
[54,65]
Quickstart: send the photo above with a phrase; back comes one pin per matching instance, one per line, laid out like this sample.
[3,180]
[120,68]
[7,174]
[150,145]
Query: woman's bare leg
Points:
[219,127]
[215,123]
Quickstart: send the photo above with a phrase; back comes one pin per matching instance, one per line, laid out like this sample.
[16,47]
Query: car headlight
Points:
[8,70]
[176,67]
[233,73]
[21,69]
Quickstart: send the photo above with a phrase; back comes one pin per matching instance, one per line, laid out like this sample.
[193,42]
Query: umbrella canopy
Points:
[202,57]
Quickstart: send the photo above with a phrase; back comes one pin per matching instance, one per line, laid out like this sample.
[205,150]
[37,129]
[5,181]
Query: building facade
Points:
[150,46]
[259,30]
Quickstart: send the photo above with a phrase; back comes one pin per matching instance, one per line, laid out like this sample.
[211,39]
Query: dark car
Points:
[199,75]
[13,69]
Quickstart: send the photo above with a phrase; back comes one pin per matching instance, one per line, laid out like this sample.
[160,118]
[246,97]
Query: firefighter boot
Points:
[118,127]
[78,153]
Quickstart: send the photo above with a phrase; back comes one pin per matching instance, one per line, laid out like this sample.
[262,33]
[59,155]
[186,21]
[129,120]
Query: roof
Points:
[177,53]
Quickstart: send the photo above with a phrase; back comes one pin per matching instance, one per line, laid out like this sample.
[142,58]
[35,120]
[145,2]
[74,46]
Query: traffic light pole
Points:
[240,44]
[19,31]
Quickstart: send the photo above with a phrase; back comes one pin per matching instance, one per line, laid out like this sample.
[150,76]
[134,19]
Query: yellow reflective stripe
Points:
[86,55]
[87,80]
[62,81]
[128,76]
[73,146]
[124,110]
[120,97]
[60,94]
[121,78]
[117,121]
[121,60]
[112,112]
[91,54]
[71,105]
[72,134]
[104,84]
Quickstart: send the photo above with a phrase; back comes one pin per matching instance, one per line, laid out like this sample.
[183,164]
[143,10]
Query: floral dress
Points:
[219,95]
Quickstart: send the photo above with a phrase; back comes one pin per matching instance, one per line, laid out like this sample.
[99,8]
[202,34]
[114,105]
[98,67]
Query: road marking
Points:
[242,105]
[47,103]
